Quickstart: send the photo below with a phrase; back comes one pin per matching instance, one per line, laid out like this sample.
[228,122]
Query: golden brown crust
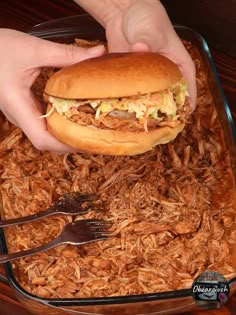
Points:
[114,75]
[107,142]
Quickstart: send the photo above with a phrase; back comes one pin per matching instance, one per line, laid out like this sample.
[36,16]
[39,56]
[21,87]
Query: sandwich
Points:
[117,104]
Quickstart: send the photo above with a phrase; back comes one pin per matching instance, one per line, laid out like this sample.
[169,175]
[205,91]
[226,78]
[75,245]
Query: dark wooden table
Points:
[22,15]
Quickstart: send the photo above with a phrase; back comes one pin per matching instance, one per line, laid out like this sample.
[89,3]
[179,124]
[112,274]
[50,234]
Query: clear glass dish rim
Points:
[176,294]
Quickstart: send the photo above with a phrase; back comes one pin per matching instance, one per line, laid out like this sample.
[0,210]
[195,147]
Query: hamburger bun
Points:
[114,75]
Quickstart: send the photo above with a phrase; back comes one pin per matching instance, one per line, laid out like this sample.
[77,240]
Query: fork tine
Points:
[100,229]
[97,222]
[101,236]
[76,203]
[88,201]
[101,232]
[81,197]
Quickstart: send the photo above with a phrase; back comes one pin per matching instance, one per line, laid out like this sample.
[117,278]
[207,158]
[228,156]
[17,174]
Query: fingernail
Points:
[96,50]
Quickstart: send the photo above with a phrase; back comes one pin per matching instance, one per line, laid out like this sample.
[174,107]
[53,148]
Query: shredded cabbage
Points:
[144,106]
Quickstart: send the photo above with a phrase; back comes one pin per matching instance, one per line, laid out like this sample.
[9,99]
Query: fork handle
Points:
[28,218]
[12,256]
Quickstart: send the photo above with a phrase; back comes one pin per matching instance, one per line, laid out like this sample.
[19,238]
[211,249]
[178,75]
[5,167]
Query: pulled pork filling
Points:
[139,112]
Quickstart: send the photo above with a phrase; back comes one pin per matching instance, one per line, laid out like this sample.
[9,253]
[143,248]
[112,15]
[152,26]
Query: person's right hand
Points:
[22,58]
[145,26]
[142,25]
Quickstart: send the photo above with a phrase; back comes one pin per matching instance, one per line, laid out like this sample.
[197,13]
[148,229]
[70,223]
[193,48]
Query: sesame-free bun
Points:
[114,75]
[105,141]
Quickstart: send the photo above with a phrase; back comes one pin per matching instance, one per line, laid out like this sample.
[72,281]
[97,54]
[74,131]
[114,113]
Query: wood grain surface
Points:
[215,20]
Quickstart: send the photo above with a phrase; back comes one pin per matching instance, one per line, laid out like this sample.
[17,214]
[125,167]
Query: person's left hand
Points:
[22,58]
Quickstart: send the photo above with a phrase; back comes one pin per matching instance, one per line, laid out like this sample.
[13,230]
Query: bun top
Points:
[114,75]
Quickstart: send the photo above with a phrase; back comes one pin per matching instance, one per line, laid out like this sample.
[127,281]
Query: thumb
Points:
[62,55]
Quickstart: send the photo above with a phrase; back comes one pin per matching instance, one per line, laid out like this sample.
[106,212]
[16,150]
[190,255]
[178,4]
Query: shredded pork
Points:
[123,120]
[172,210]
[110,122]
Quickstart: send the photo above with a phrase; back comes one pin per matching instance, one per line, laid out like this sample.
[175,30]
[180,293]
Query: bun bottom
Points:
[107,142]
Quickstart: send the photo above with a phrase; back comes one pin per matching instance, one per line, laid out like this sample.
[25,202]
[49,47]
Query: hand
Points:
[142,25]
[145,26]
[22,58]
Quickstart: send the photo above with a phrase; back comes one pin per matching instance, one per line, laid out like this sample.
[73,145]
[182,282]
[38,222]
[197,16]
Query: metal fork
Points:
[74,233]
[71,203]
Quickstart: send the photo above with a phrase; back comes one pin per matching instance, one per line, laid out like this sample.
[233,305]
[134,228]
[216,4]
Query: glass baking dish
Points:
[180,301]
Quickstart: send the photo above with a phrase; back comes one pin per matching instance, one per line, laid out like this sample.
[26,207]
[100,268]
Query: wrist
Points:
[103,11]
